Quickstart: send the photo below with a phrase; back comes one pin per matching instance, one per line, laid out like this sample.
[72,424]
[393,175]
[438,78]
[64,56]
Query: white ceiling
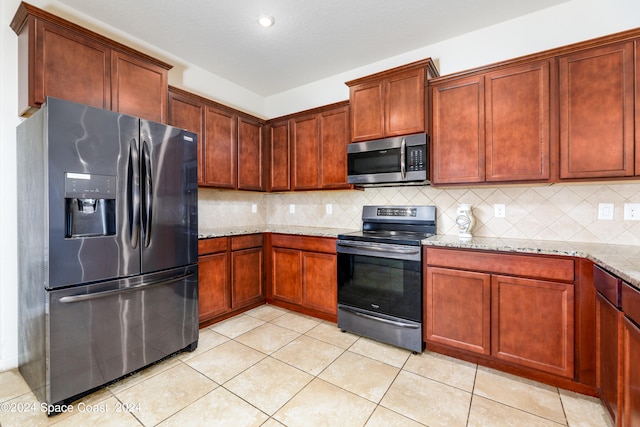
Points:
[311,39]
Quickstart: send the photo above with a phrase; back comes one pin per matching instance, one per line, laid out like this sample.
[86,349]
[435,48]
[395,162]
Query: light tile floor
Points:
[272,367]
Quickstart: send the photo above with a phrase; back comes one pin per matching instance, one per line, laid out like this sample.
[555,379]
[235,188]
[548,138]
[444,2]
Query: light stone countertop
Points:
[620,260]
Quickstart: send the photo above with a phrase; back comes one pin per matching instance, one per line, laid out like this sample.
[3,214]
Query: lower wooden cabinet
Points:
[608,354]
[230,276]
[630,356]
[480,303]
[303,274]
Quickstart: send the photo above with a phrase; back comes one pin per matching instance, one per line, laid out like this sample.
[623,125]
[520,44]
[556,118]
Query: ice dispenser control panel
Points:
[90,205]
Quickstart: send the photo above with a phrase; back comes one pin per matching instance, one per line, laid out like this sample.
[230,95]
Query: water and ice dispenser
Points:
[90,205]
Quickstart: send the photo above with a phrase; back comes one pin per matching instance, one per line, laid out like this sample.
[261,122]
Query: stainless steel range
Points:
[380,274]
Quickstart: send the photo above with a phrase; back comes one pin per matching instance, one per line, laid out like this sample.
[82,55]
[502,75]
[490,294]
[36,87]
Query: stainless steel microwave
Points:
[398,160]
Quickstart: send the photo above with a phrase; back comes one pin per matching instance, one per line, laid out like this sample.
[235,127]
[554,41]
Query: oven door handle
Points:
[410,251]
[379,319]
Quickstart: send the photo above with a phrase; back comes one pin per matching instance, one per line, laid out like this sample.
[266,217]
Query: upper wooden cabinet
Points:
[597,112]
[231,143]
[60,59]
[390,103]
[313,144]
[492,127]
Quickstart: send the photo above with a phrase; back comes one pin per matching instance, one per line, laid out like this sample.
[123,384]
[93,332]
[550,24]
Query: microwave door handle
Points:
[403,158]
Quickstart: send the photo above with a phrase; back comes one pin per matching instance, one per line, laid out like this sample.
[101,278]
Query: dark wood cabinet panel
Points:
[367,111]
[246,276]
[533,323]
[279,158]
[138,88]
[631,374]
[250,155]
[286,275]
[213,285]
[457,308]
[221,148]
[319,282]
[608,355]
[188,113]
[517,123]
[334,138]
[305,143]
[69,66]
[404,107]
[597,112]
[458,131]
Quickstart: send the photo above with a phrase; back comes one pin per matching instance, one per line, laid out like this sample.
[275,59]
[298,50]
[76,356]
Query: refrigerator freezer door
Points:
[101,332]
[89,163]
[169,194]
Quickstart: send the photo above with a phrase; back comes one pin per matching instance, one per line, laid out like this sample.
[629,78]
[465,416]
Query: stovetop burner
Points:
[402,225]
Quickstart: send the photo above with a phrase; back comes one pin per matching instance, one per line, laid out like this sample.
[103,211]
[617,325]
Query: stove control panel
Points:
[390,211]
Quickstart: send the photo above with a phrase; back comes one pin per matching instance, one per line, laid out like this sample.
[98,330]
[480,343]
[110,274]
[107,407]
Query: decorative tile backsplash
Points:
[546,212]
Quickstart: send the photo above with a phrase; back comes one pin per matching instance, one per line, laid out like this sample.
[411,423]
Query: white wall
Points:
[569,22]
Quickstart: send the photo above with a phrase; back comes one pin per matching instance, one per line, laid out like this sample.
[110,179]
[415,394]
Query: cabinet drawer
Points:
[245,242]
[534,266]
[209,246]
[607,285]
[305,243]
[631,302]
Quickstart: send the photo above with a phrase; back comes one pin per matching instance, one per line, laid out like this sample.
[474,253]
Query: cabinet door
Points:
[221,139]
[596,112]
[608,354]
[250,155]
[213,285]
[246,275]
[404,103]
[334,137]
[319,282]
[457,309]
[188,114]
[367,111]
[279,170]
[532,323]
[631,377]
[517,123]
[458,131]
[306,153]
[138,88]
[69,66]
[286,275]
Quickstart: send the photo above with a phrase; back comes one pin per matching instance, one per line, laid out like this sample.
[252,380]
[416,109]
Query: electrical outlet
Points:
[292,208]
[254,208]
[632,211]
[329,209]
[500,210]
[605,211]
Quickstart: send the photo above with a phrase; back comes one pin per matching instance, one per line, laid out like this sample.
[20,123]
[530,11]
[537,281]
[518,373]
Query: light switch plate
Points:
[254,208]
[329,208]
[292,208]
[605,211]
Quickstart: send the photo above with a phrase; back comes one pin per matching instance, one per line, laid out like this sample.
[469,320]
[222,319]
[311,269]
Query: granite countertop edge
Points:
[620,260]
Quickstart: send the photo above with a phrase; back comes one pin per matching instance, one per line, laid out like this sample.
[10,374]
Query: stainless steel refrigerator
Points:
[107,232]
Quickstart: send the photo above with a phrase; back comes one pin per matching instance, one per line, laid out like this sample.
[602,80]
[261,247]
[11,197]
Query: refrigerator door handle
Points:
[148,193]
[164,281]
[133,193]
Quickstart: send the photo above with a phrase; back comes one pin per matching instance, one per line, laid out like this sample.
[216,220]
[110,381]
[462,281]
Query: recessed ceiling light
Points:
[266,20]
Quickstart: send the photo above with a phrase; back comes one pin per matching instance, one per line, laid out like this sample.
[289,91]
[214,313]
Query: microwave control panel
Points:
[416,158]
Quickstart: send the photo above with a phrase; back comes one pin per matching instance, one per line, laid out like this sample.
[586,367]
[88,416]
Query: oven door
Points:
[381,278]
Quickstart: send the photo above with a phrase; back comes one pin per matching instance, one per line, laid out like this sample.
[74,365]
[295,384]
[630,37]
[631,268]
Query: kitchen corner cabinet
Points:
[390,103]
[61,59]
[279,156]
[231,276]
[609,319]
[597,112]
[511,309]
[231,147]
[492,127]
[308,150]
[303,274]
